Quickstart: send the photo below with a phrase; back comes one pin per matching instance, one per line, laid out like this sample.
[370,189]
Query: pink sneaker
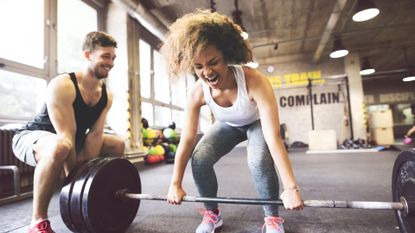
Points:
[41,227]
[273,225]
[211,221]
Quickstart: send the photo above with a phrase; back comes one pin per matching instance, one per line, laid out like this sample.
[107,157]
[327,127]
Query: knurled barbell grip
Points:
[373,205]
[252,201]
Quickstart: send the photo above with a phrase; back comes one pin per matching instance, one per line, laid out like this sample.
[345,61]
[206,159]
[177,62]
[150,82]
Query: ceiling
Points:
[304,29]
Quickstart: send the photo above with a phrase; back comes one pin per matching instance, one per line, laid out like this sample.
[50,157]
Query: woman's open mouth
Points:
[212,80]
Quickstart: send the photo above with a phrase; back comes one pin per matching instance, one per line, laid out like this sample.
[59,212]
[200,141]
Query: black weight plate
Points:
[77,192]
[66,193]
[403,185]
[102,211]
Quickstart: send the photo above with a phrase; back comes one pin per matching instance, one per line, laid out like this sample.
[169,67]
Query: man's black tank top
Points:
[85,116]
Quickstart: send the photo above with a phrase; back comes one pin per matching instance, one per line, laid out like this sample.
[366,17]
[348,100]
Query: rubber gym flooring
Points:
[343,176]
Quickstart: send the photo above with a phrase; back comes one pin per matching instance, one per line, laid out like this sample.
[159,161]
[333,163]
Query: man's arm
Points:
[95,133]
[59,98]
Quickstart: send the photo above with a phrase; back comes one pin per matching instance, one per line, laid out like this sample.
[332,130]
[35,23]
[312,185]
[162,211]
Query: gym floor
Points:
[343,176]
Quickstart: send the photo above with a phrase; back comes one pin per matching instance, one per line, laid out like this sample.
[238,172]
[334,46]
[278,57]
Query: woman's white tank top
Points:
[243,112]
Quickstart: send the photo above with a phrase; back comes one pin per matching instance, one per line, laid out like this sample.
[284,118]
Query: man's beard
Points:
[100,76]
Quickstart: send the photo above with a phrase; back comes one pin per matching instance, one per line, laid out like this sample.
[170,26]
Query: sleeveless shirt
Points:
[85,116]
[242,112]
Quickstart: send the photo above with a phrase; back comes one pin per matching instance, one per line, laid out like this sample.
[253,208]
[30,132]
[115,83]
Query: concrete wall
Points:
[329,97]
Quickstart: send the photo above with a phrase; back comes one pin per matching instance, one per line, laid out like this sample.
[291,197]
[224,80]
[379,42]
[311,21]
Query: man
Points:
[69,128]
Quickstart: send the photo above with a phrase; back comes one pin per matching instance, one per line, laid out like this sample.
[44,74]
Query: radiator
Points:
[7,158]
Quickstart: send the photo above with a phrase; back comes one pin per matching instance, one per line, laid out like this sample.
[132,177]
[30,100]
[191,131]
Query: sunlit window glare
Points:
[25,25]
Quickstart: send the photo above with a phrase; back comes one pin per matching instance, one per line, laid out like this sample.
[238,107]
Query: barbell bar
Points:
[373,205]
[104,195]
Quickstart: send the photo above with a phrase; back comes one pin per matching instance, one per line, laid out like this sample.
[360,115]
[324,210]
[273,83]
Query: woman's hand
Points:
[175,195]
[292,199]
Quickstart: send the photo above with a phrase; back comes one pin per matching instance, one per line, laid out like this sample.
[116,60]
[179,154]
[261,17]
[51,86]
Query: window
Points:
[72,31]
[178,90]
[147,112]
[23,40]
[20,95]
[162,116]
[161,79]
[177,117]
[29,54]
[161,100]
[145,68]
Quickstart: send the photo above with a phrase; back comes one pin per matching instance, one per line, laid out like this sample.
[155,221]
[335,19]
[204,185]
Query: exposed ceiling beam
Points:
[331,24]
[144,16]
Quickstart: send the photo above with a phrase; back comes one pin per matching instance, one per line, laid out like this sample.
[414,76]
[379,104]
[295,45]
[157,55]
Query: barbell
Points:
[104,194]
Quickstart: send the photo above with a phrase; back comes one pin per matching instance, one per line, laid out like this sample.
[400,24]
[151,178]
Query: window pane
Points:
[161,79]
[72,31]
[147,112]
[162,116]
[177,118]
[21,96]
[190,79]
[22,30]
[178,90]
[145,69]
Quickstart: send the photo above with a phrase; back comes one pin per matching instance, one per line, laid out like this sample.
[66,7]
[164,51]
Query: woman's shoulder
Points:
[196,92]
[253,76]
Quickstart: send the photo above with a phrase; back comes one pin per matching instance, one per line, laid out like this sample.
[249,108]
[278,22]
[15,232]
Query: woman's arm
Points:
[410,131]
[260,91]
[186,144]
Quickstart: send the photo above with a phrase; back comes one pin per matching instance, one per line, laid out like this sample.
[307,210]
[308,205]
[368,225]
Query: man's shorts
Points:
[23,143]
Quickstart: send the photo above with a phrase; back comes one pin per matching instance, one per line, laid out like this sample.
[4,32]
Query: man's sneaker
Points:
[211,221]
[273,225]
[41,227]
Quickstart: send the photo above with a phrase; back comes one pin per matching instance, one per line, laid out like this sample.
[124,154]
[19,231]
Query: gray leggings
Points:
[220,140]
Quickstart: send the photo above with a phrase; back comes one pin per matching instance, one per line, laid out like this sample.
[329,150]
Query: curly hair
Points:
[195,31]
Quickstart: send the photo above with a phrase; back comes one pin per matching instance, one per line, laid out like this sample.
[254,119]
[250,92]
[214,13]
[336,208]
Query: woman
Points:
[244,106]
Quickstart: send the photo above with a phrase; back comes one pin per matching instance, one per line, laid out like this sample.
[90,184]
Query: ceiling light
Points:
[409,78]
[365,10]
[410,75]
[270,69]
[338,49]
[366,67]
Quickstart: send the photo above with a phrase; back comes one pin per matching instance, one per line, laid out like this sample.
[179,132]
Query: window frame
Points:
[50,65]
[155,43]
